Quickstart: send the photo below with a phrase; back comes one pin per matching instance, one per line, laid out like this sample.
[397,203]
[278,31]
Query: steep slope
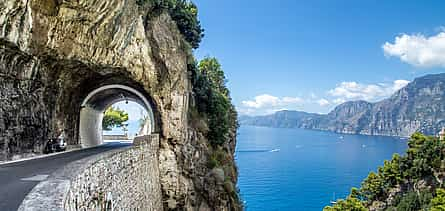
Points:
[53,54]
[419,106]
[413,181]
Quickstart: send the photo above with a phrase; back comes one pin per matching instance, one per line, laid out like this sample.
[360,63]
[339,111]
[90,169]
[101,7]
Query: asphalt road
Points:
[18,179]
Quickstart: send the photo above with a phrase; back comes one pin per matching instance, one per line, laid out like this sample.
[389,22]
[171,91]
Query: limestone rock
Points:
[420,106]
[53,53]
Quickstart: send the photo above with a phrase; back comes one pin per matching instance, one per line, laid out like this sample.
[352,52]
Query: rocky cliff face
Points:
[53,53]
[420,106]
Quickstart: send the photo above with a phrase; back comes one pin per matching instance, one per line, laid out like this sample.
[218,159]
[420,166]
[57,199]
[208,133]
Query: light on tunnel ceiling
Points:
[125,98]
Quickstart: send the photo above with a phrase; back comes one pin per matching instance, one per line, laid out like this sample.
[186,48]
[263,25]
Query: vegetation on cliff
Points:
[215,116]
[410,182]
[212,97]
[211,112]
[213,100]
[184,13]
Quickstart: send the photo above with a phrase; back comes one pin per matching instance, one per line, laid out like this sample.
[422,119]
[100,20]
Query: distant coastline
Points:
[418,107]
[322,130]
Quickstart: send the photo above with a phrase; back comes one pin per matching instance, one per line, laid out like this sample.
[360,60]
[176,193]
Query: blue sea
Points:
[298,169]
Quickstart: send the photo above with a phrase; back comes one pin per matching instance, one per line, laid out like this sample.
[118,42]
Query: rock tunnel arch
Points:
[97,101]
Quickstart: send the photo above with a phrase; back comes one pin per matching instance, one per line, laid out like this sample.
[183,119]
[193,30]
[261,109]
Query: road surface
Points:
[18,179]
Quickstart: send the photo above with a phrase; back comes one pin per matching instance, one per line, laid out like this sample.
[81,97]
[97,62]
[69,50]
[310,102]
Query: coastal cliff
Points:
[412,181]
[53,53]
[420,106]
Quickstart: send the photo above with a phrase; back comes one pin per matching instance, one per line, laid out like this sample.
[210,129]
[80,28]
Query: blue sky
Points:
[135,113]
[313,55]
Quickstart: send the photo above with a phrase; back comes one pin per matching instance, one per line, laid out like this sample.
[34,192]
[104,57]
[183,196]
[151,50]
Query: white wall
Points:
[90,127]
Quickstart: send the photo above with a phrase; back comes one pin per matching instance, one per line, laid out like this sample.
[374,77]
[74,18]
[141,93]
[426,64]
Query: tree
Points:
[424,158]
[114,117]
[438,202]
[219,119]
[350,204]
[212,69]
[416,141]
[213,99]
[372,187]
[391,172]
[184,13]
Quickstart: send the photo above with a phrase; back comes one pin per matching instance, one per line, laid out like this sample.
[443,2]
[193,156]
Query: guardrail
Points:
[121,179]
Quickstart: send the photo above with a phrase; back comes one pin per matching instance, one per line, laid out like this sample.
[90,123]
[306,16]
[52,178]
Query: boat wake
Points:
[258,150]
[254,150]
[275,150]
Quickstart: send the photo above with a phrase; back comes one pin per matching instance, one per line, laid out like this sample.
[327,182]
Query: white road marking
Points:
[36,178]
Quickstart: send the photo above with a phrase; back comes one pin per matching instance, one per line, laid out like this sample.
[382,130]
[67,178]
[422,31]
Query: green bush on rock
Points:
[438,202]
[350,204]
[213,99]
[184,13]
[411,182]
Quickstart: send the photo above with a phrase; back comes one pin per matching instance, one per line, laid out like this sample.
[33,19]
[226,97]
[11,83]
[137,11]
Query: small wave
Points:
[298,146]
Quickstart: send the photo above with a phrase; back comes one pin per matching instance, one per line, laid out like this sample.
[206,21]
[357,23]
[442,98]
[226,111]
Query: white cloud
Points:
[418,50]
[347,91]
[269,101]
[313,95]
[267,104]
[246,111]
[323,102]
[339,100]
[398,84]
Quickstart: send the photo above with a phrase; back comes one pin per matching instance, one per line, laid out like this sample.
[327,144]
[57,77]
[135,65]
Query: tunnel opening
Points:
[123,121]
[95,104]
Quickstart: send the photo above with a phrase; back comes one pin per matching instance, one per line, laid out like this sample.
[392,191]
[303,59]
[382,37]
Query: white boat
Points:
[333,200]
[275,150]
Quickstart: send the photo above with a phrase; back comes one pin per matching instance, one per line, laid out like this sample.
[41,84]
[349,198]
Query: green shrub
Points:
[212,163]
[350,204]
[424,158]
[438,202]
[414,201]
[213,100]
[219,158]
[372,187]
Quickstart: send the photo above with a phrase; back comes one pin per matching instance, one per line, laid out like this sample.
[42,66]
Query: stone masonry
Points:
[124,179]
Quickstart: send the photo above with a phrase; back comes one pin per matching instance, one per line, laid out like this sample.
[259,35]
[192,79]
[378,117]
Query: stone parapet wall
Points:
[123,179]
[115,137]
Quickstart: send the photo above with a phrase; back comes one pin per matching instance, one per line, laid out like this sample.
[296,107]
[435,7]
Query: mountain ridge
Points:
[419,106]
